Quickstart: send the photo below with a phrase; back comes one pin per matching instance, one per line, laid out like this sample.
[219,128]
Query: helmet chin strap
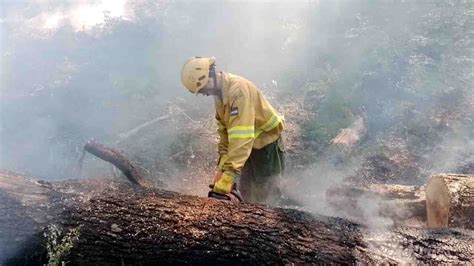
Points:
[212,74]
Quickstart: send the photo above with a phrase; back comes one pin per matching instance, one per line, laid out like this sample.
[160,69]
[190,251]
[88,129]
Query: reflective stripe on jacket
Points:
[245,121]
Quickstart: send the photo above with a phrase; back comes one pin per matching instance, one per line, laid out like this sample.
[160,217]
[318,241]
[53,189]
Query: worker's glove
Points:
[225,183]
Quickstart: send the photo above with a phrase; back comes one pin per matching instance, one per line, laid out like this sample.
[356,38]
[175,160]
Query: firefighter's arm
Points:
[223,143]
[241,135]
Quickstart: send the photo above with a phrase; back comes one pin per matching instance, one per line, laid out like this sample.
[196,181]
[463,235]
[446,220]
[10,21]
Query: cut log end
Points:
[450,201]
[437,207]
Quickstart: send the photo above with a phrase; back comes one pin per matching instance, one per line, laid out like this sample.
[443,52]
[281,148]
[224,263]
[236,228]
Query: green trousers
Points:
[259,180]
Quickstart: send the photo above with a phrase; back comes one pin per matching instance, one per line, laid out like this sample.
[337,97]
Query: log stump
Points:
[450,201]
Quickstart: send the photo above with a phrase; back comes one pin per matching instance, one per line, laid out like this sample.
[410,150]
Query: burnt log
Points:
[106,222]
[450,201]
[403,205]
[133,173]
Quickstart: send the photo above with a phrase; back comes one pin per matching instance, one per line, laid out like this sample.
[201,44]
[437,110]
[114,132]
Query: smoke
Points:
[98,69]
[79,69]
[46,16]
[308,187]
[453,154]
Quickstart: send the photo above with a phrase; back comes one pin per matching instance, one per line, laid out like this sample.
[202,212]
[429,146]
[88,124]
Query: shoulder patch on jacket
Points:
[234,111]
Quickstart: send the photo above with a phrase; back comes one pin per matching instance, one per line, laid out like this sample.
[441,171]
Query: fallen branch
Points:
[133,173]
[135,130]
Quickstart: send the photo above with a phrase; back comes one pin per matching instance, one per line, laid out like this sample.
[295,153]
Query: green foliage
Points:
[59,244]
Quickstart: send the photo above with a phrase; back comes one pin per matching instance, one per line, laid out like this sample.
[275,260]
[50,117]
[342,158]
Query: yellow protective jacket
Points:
[245,121]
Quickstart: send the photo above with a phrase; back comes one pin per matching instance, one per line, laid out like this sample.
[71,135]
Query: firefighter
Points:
[250,147]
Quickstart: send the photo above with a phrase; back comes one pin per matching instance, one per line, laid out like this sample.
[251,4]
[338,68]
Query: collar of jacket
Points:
[225,87]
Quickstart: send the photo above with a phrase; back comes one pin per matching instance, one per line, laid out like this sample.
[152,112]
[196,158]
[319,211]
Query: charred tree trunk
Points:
[130,170]
[93,222]
[450,201]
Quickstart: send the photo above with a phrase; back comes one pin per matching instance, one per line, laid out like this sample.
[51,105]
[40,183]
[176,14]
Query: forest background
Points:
[76,70]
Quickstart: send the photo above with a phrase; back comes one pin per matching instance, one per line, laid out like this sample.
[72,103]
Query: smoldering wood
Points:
[385,191]
[133,173]
[404,205]
[116,223]
[450,201]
